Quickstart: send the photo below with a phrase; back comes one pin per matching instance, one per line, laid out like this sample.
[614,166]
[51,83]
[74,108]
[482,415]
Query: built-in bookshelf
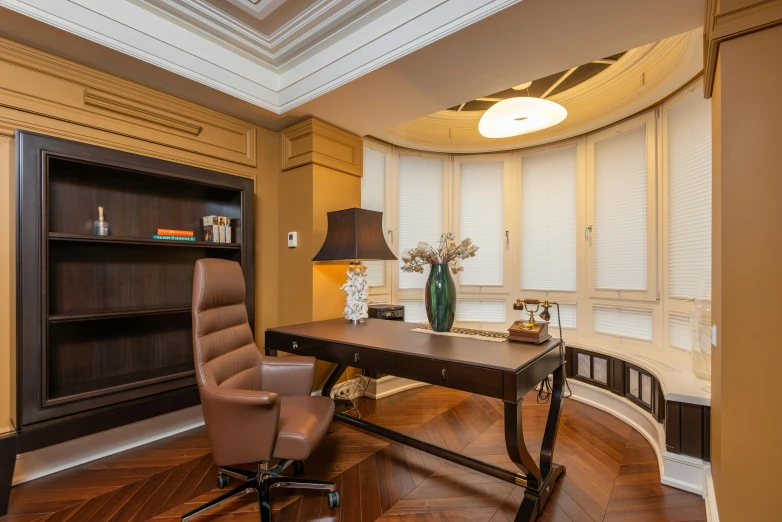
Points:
[105,328]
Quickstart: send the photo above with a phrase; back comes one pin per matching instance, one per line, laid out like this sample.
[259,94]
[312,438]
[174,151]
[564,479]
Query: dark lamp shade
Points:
[354,234]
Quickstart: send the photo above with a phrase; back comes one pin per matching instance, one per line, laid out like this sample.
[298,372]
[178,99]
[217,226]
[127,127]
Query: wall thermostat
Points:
[292,239]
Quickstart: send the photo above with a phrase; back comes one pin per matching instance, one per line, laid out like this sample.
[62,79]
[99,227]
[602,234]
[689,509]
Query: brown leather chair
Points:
[257,409]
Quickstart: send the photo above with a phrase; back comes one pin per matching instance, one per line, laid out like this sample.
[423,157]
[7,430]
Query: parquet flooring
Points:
[612,473]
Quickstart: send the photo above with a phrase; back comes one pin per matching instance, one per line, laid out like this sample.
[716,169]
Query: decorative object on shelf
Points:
[173,238]
[355,234]
[174,232]
[440,291]
[520,115]
[530,330]
[217,229]
[101,227]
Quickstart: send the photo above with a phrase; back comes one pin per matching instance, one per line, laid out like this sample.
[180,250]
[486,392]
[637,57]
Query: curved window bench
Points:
[659,397]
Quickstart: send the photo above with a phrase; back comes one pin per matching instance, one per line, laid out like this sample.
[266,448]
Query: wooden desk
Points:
[506,371]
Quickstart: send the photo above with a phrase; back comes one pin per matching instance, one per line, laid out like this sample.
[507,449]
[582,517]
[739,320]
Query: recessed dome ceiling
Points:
[551,85]
[595,95]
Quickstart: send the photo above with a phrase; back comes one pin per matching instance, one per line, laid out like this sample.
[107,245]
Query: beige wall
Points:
[329,179]
[746,424]
[42,93]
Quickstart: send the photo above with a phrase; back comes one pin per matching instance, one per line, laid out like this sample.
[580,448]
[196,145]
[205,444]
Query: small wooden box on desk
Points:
[105,336]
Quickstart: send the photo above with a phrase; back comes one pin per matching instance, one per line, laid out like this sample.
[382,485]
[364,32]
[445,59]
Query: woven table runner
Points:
[483,335]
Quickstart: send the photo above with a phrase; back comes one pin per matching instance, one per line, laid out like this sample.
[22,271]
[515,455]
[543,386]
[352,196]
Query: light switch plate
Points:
[293,239]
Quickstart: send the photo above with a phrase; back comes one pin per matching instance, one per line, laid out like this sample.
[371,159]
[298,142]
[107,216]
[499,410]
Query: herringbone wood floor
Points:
[612,473]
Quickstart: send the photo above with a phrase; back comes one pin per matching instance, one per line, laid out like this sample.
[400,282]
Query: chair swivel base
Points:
[262,482]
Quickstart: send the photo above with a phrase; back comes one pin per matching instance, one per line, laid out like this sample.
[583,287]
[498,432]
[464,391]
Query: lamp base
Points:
[357,290]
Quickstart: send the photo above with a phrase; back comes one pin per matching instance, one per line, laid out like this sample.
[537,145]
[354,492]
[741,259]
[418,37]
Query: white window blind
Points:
[420,209]
[548,220]
[619,228]
[373,197]
[480,311]
[415,311]
[689,197]
[568,311]
[481,219]
[679,331]
[632,323]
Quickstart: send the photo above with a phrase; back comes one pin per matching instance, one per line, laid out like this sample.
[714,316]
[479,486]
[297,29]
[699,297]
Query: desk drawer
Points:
[358,357]
[458,376]
[296,345]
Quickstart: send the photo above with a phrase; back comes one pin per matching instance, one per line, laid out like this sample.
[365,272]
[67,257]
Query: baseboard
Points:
[389,385]
[712,515]
[678,471]
[45,461]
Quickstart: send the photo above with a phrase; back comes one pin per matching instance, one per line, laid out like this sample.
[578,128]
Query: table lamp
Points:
[355,235]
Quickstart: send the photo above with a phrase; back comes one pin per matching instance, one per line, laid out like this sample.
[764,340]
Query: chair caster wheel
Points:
[333,499]
[223,480]
[298,467]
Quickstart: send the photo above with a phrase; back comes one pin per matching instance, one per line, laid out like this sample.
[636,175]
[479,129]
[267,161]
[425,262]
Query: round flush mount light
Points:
[520,115]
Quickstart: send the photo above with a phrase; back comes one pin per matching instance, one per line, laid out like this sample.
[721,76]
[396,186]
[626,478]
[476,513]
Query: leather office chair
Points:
[256,408]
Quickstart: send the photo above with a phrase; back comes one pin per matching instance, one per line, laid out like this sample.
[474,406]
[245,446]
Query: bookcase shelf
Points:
[116,314]
[112,240]
[105,335]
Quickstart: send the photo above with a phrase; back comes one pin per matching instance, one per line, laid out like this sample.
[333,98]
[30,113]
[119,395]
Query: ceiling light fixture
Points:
[520,115]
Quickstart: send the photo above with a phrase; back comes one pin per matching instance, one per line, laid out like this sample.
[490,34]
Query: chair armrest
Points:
[288,375]
[241,424]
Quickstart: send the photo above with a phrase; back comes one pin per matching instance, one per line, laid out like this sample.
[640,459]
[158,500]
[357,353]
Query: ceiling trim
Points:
[173,45]
[640,79]
[722,26]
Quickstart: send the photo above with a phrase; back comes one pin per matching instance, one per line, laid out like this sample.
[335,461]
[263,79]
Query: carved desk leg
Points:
[540,480]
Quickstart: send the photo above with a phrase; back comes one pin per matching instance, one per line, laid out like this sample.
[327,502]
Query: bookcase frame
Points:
[104,335]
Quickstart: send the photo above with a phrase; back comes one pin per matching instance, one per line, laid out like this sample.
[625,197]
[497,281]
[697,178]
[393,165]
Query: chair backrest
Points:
[224,352]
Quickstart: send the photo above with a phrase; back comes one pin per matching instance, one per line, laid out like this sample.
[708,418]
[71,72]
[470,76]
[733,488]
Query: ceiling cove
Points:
[274,54]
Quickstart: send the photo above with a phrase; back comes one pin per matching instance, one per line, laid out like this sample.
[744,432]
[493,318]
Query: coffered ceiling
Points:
[364,65]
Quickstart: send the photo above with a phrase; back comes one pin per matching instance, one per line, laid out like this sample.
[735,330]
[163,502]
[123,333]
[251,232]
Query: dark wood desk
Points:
[506,371]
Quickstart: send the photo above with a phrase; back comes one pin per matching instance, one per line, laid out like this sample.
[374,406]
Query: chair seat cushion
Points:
[304,421]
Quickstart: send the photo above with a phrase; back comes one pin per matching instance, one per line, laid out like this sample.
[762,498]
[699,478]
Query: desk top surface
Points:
[397,337]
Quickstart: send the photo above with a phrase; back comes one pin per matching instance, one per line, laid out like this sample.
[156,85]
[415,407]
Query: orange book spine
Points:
[178,233]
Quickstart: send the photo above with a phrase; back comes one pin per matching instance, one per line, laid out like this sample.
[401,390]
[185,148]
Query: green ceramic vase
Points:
[440,298]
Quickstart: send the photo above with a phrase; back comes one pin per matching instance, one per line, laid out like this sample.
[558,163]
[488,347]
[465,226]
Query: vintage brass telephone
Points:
[531,331]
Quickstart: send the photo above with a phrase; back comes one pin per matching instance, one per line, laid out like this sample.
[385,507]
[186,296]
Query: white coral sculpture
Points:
[357,290]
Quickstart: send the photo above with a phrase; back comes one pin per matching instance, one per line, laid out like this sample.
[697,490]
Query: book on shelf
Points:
[173,238]
[174,232]
[217,229]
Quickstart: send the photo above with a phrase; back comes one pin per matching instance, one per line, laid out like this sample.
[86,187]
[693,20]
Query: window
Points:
[679,331]
[548,220]
[415,310]
[568,311]
[421,208]
[480,311]
[622,203]
[630,323]
[688,151]
[373,197]
[480,191]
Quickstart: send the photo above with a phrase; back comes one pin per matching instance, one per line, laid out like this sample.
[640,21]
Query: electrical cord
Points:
[546,386]
[352,391]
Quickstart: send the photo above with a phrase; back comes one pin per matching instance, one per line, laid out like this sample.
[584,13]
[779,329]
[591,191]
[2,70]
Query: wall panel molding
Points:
[67,95]
[314,141]
[722,26]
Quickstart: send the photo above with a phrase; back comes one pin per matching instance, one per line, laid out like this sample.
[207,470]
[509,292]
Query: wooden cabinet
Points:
[104,325]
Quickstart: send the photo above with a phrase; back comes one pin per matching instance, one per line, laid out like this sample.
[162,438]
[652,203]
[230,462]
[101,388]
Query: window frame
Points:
[560,296]
[507,216]
[382,294]
[648,120]
[415,294]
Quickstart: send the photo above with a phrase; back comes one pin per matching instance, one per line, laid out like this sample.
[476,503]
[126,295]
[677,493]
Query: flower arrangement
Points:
[448,252]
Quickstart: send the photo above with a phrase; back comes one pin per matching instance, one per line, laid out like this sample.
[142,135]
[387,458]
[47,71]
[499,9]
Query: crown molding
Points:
[722,26]
[328,45]
[314,141]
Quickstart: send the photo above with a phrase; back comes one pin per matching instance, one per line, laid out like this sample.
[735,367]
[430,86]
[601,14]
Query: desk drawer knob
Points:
[355,357]
[444,375]
[295,345]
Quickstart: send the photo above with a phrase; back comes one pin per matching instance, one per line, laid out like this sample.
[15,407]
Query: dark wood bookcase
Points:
[104,330]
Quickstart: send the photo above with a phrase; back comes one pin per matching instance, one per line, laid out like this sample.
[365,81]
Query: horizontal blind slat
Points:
[373,197]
